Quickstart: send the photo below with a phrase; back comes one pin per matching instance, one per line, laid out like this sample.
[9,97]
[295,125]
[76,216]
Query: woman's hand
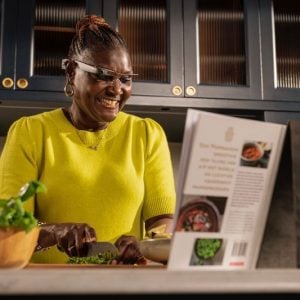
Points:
[129,252]
[71,238]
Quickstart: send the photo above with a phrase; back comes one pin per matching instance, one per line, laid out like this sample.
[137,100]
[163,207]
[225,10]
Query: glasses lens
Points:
[125,78]
[103,74]
[103,77]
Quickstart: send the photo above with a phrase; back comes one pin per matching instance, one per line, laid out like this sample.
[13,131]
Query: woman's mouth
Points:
[108,103]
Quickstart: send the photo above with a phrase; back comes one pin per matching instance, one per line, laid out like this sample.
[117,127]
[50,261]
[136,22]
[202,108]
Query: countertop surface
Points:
[156,279]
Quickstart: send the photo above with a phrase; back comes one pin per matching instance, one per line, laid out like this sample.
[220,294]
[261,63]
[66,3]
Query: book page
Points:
[226,179]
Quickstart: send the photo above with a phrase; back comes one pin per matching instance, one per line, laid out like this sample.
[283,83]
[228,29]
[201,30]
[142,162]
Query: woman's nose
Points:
[116,85]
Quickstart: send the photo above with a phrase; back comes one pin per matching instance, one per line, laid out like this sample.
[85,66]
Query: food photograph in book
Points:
[201,214]
[255,154]
[208,252]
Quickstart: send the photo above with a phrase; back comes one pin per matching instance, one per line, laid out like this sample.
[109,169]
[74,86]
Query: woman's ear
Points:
[70,70]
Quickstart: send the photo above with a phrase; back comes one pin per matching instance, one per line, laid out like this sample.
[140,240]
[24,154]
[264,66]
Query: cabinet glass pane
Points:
[143,23]
[287,33]
[53,31]
[221,42]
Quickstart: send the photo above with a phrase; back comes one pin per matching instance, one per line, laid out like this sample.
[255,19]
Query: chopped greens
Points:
[207,248]
[101,258]
[12,212]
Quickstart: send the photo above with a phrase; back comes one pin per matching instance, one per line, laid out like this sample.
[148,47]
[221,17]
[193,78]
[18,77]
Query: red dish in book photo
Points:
[199,215]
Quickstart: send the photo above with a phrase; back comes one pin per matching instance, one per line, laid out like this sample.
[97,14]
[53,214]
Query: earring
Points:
[68,89]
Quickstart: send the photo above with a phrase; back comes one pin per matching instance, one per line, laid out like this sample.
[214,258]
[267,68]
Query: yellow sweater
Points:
[115,188]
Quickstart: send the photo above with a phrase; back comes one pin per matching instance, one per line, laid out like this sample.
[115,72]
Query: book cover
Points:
[226,178]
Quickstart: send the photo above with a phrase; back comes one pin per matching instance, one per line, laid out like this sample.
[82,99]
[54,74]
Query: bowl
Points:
[17,246]
[252,152]
[156,250]
[199,215]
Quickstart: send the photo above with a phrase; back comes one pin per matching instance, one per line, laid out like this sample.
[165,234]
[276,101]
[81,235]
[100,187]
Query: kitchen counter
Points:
[105,280]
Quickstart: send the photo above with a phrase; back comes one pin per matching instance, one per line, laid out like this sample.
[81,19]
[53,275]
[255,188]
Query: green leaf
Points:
[31,188]
[12,212]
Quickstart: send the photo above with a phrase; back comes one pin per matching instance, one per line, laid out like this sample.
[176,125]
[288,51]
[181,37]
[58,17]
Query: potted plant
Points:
[18,228]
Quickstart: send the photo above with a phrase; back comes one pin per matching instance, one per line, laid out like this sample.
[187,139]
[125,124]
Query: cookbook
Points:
[227,171]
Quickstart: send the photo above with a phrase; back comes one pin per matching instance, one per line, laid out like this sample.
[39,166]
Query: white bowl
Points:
[251,153]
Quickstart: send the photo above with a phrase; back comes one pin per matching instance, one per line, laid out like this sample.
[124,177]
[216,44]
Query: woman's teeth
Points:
[109,103]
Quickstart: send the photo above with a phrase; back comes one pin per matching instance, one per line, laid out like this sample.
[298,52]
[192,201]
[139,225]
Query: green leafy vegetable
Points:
[12,212]
[101,258]
[207,248]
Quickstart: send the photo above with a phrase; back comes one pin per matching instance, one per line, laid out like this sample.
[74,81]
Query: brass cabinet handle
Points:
[190,90]
[22,83]
[7,82]
[177,90]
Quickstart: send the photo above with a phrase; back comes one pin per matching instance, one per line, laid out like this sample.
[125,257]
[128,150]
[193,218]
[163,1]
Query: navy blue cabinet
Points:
[222,49]
[210,54]
[36,37]
[7,43]
[280,30]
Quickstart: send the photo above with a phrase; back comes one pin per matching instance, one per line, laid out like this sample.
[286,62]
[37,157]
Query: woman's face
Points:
[99,97]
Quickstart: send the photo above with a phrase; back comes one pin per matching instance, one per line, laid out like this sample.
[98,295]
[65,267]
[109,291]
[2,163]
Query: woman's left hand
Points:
[129,252]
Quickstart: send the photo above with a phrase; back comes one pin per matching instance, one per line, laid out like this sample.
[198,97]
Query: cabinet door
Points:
[7,43]
[280,31]
[281,117]
[221,47]
[45,30]
[153,32]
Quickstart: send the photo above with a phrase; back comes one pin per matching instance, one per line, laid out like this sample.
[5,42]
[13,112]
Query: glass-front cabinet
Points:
[43,37]
[205,49]
[153,31]
[7,43]
[281,49]
[222,53]
[44,29]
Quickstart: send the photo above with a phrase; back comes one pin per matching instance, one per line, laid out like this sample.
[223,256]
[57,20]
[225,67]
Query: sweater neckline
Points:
[91,139]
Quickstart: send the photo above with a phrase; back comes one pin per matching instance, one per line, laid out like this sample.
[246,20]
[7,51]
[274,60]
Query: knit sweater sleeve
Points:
[17,161]
[160,197]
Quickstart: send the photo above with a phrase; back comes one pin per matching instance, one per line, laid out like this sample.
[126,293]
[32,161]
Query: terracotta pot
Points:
[17,246]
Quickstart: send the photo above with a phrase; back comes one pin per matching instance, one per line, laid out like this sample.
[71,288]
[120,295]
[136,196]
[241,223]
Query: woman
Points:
[108,174]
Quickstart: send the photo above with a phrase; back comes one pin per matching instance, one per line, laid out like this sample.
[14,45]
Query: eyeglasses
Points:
[102,74]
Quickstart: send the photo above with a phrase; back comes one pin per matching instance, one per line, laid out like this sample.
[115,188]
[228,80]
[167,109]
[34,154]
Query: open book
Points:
[226,177]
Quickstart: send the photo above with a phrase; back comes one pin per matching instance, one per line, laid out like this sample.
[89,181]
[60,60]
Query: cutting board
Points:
[150,265]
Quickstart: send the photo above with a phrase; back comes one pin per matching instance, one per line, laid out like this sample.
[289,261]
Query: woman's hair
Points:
[93,33]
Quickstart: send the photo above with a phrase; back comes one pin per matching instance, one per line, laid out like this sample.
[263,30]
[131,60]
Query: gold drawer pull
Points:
[177,90]
[190,90]
[7,82]
[22,83]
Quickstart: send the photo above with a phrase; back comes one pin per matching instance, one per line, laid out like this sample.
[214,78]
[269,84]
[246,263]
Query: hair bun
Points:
[91,22]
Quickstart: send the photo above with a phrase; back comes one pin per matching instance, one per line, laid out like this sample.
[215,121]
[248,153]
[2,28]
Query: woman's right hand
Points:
[71,238]
[129,252]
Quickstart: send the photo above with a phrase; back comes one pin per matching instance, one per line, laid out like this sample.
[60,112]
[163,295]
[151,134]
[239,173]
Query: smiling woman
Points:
[108,173]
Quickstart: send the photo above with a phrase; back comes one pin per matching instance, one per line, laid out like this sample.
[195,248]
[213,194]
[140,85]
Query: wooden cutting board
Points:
[150,265]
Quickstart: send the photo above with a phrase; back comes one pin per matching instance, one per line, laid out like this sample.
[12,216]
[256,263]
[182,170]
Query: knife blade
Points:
[101,247]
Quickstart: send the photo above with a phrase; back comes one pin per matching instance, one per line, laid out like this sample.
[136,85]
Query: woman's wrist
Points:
[39,247]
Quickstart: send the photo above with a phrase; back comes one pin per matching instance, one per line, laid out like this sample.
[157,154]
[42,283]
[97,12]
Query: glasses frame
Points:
[99,71]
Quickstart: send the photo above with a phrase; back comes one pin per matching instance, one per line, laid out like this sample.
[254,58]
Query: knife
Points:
[101,247]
